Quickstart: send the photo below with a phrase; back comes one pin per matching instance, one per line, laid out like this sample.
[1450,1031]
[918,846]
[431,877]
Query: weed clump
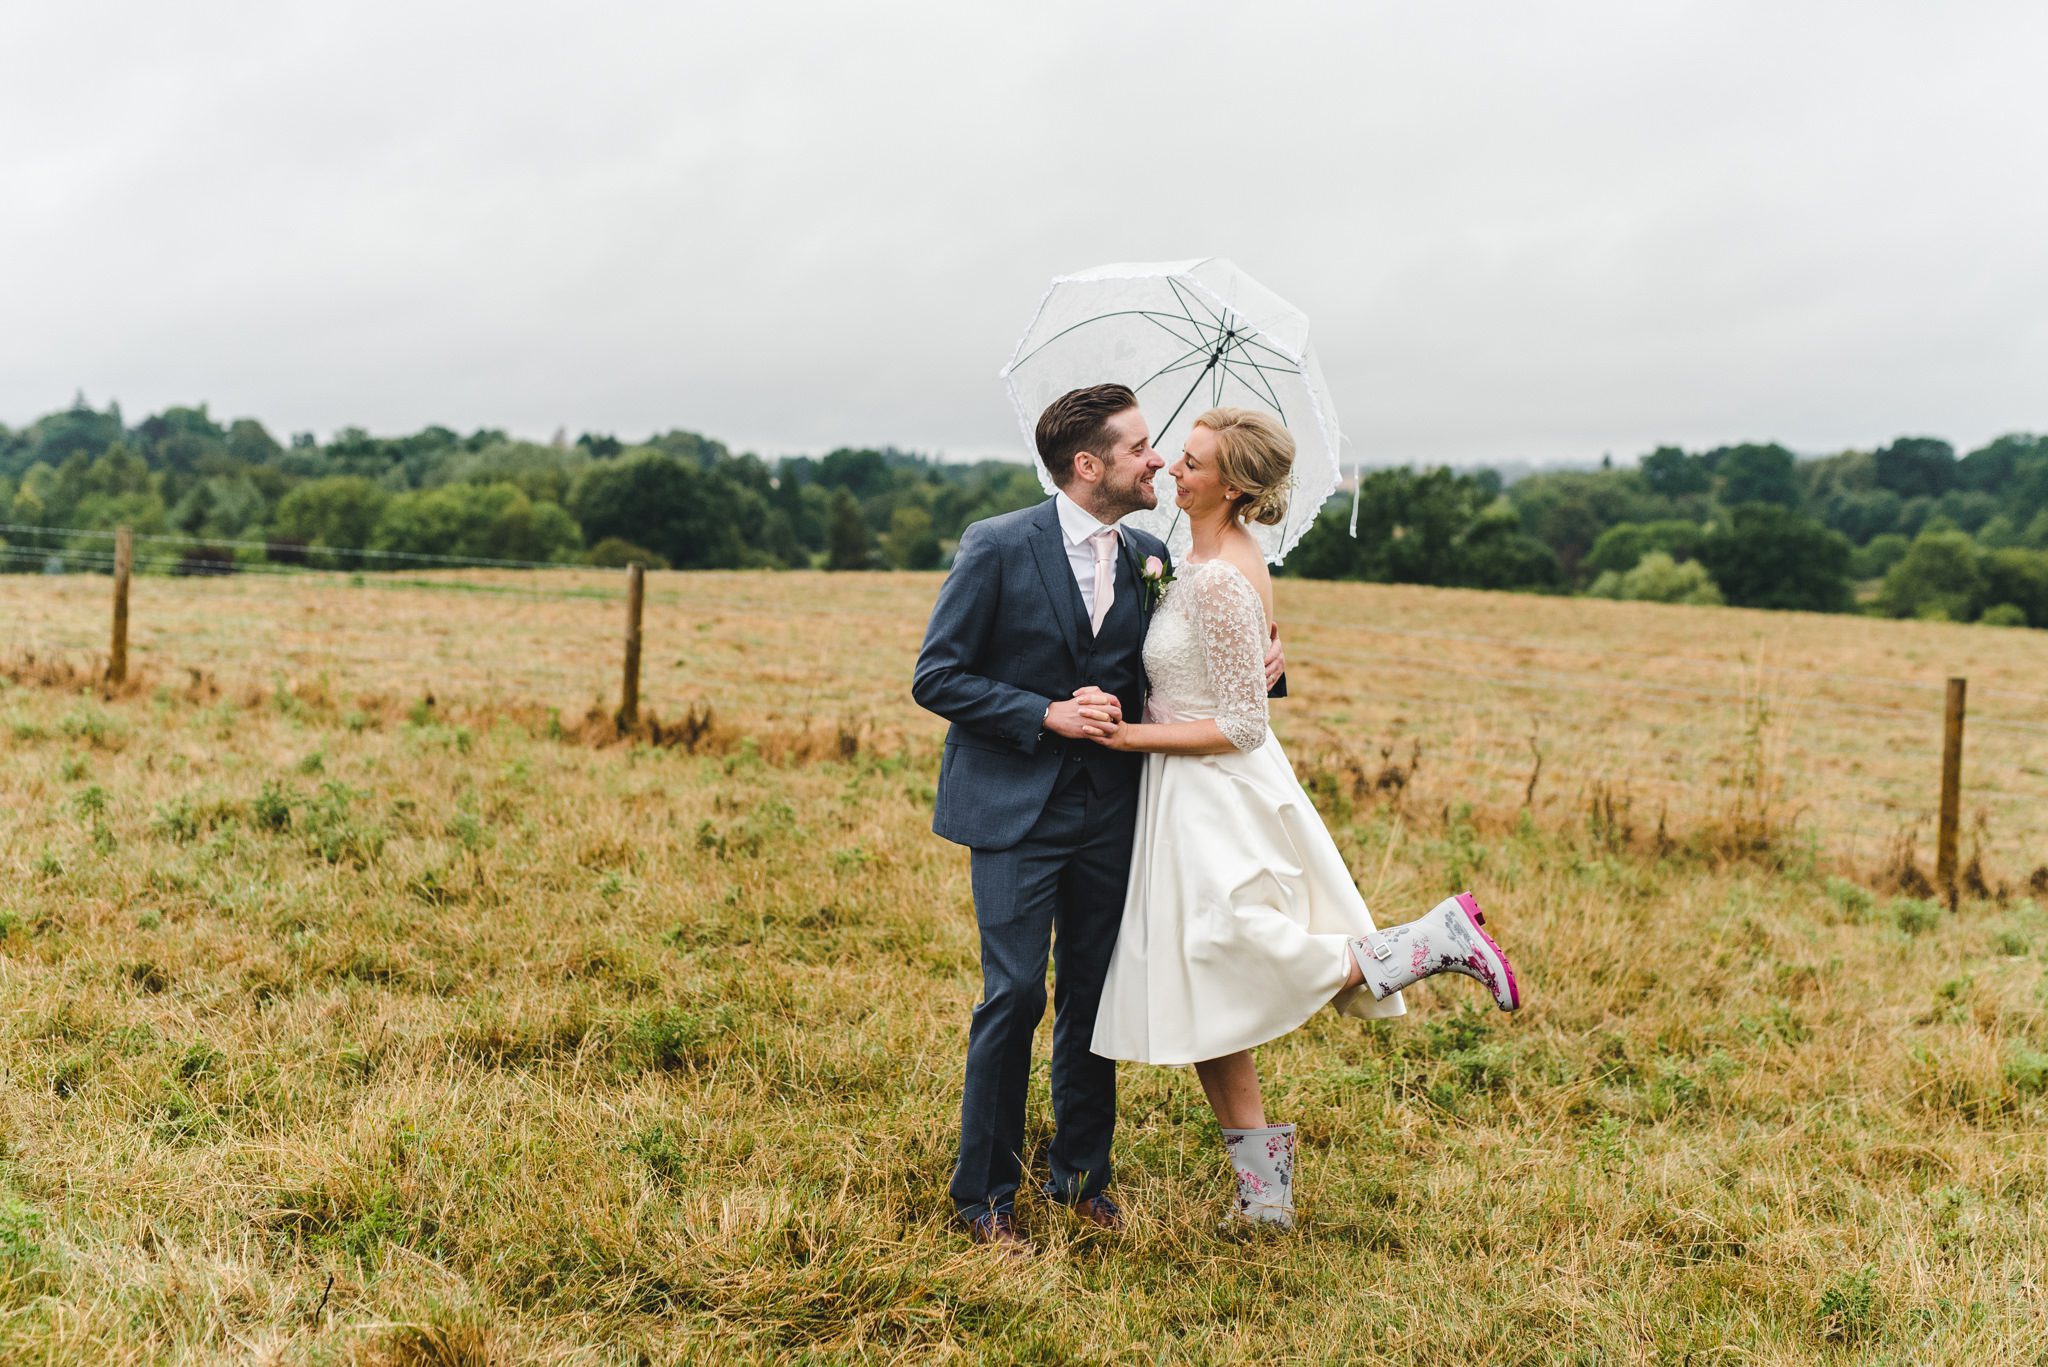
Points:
[2027,1070]
[1915,915]
[336,834]
[1854,903]
[272,809]
[19,1226]
[1848,1308]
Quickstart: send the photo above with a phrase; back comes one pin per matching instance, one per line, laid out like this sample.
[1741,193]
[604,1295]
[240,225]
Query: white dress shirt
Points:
[1077,524]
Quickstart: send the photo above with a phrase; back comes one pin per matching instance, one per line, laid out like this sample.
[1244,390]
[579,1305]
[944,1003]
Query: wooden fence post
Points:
[629,687]
[1951,791]
[117,650]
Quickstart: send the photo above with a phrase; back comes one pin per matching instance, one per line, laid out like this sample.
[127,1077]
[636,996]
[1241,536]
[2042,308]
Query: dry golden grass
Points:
[335,1025]
[1822,729]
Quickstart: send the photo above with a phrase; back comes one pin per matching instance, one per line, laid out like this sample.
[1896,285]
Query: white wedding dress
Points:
[1239,904]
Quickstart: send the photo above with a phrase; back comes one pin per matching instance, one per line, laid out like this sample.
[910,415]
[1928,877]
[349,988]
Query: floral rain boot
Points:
[1447,940]
[1264,1162]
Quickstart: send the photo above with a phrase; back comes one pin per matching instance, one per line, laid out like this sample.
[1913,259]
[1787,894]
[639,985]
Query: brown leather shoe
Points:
[1100,1211]
[998,1229]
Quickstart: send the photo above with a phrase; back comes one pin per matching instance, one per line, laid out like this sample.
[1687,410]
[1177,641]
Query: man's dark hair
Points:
[1078,421]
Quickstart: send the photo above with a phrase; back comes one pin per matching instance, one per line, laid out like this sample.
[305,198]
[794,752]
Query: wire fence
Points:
[1564,705]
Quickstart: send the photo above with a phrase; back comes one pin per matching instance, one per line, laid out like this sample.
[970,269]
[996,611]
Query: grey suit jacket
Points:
[1008,636]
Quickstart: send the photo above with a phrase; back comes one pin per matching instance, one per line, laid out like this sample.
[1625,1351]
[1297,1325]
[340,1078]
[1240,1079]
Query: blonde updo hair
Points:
[1254,454]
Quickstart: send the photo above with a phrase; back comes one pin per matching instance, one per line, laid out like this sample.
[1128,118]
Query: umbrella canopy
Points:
[1186,336]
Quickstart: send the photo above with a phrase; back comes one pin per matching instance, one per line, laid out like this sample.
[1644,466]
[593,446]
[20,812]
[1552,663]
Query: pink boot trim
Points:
[1478,961]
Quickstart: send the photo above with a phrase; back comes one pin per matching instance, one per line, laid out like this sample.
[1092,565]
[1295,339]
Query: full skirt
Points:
[1236,916]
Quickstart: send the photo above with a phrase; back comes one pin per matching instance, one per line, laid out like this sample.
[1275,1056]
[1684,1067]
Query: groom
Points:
[1037,634]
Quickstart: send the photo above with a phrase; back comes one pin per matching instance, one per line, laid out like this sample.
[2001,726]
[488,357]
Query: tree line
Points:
[676,500]
[1909,529]
[1906,530]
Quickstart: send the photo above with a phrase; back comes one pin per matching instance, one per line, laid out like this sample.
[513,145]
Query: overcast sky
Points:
[1522,232]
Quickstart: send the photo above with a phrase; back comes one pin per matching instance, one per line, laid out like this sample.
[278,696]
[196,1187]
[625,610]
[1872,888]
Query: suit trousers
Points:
[1064,883]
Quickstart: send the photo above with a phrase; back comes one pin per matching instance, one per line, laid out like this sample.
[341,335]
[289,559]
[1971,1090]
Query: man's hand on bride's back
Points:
[1089,715]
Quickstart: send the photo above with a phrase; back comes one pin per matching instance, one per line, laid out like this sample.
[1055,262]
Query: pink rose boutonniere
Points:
[1156,579]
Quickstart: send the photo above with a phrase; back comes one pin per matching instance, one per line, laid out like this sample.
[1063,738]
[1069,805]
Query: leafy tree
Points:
[1848,472]
[691,517]
[28,505]
[1862,515]
[848,545]
[2018,578]
[1876,559]
[1619,547]
[1764,556]
[115,488]
[1657,578]
[614,553]
[1494,553]
[250,444]
[1672,473]
[1408,525]
[226,506]
[1940,577]
[700,451]
[1998,533]
[980,491]
[1916,515]
[476,521]
[1612,496]
[1993,467]
[1325,552]
[1968,509]
[182,440]
[540,472]
[1570,529]
[78,428]
[1915,467]
[1424,527]
[864,474]
[787,498]
[1752,473]
[913,545]
[778,541]
[340,511]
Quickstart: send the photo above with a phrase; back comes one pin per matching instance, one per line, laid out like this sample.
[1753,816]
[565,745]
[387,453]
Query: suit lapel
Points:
[1136,567]
[1049,548]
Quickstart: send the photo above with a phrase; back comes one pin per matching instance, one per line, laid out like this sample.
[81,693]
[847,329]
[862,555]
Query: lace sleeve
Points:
[1231,624]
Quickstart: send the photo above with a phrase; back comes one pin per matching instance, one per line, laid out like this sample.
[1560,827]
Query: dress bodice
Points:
[1205,652]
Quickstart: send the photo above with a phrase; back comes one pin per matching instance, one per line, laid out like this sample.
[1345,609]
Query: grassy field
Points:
[364,997]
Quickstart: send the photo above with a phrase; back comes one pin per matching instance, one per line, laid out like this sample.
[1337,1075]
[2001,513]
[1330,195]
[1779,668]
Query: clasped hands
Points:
[1092,714]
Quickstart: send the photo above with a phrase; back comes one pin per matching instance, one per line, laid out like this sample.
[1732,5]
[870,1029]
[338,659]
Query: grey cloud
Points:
[1523,232]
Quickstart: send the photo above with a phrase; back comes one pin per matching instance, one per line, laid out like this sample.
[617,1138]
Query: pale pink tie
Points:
[1104,542]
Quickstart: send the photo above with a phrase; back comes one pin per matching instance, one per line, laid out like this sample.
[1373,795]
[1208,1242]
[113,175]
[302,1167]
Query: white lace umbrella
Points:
[1186,336]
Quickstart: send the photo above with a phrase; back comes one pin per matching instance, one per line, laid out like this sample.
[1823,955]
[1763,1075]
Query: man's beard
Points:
[1119,500]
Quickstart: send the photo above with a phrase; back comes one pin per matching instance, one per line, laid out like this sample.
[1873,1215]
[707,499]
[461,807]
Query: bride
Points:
[1240,919]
